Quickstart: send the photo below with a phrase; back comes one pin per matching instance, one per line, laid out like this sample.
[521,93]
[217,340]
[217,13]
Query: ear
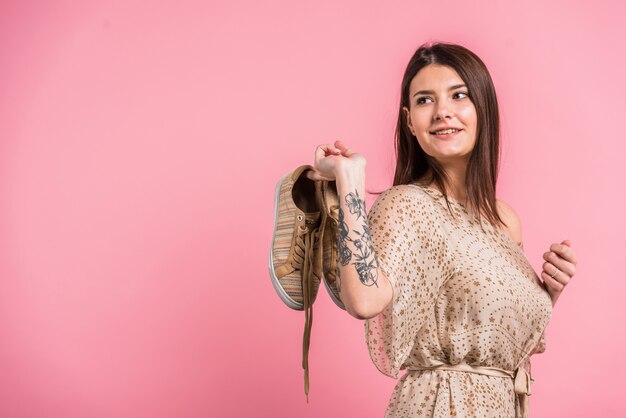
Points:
[407,115]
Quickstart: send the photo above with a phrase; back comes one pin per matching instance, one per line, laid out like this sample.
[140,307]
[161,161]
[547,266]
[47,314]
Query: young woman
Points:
[436,268]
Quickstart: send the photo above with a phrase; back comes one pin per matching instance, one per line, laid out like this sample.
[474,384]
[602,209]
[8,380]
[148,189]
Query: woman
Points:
[436,268]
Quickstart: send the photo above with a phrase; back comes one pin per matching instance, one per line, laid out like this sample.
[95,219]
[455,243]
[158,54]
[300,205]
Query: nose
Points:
[442,110]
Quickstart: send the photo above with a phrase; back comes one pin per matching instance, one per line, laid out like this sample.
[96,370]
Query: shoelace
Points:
[305,243]
[334,211]
[332,228]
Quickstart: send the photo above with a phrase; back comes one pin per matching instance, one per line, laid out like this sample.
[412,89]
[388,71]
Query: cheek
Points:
[421,121]
[468,116]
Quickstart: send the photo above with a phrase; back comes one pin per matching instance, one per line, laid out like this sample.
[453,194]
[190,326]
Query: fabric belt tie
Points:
[520,376]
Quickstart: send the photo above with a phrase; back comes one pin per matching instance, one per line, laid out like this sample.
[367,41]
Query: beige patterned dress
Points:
[468,309]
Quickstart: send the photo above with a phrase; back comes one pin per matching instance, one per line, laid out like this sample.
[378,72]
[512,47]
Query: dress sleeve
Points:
[412,251]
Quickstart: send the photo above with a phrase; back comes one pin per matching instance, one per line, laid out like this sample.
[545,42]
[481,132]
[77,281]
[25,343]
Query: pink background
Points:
[140,143]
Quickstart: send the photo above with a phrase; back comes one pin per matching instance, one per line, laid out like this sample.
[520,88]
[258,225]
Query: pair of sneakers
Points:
[304,246]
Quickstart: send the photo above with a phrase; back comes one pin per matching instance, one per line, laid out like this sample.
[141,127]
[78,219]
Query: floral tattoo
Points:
[365,259]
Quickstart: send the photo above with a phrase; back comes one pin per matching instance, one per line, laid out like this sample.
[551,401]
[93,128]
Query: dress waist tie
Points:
[520,376]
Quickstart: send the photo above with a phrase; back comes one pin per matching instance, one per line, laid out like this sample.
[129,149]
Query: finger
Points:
[323,151]
[341,145]
[562,264]
[315,176]
[552,282]
[564,251]
[558,276]
[326,149]
[345,150]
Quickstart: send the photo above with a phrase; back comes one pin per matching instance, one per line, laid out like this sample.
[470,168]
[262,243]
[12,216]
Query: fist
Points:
[558,269]
[331,160]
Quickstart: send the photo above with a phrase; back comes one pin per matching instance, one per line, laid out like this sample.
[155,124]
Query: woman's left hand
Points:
[559,257]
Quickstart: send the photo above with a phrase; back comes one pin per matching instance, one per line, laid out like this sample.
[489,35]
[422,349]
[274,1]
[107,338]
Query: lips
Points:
[445,136]
[445,129]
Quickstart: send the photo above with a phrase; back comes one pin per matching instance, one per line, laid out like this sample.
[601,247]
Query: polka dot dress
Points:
[462,294]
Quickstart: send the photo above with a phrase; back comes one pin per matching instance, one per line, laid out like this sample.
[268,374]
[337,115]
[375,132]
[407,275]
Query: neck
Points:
[456,173]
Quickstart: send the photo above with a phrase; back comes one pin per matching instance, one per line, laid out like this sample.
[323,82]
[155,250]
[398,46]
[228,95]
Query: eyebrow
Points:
[456,86]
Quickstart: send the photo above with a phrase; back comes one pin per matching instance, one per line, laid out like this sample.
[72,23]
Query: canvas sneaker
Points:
[294,264]
[297,222]
[330,219]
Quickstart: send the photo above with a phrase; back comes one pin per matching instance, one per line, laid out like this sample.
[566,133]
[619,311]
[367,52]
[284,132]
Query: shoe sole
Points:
[335,299]
[331,293]
[279,288]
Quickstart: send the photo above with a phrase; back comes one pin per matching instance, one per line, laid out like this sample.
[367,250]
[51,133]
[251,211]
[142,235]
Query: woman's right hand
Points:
[332,160]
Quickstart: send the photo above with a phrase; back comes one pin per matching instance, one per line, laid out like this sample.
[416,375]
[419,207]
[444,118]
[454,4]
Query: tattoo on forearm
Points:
[365,261]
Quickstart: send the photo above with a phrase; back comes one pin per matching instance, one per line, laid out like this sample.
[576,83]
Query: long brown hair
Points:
[415,166]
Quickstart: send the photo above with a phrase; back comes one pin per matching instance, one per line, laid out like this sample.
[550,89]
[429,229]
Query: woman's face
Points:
[439,98]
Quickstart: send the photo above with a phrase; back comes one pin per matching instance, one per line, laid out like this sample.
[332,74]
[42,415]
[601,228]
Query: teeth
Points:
[447,131]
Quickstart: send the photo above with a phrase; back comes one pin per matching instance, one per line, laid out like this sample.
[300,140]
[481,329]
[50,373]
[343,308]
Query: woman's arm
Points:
[363,287]
[559,256]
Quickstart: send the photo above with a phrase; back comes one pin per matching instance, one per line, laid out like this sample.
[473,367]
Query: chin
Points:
[451,156]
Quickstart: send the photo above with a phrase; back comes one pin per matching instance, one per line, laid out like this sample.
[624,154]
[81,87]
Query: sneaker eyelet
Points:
[300,217]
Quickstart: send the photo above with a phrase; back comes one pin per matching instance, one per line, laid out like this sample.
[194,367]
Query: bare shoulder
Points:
[512,220]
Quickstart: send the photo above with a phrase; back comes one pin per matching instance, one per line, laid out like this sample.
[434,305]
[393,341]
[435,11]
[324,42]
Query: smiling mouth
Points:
[445,131]
[449,134]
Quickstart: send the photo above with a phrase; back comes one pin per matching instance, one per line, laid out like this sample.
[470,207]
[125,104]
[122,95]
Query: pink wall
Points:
[140,143]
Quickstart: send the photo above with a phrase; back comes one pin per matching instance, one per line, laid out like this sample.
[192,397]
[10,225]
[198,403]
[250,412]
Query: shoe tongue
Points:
[311,218]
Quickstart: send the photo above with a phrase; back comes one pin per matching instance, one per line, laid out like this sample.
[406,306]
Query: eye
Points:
[420,100]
